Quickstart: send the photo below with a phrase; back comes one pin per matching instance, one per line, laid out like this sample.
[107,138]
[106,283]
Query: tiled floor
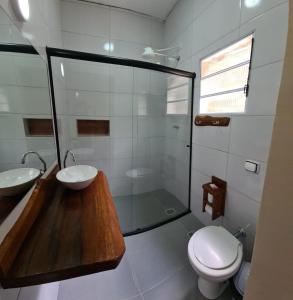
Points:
[142,210]
[155,267]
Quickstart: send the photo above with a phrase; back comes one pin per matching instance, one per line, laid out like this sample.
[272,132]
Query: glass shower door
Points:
[134,125]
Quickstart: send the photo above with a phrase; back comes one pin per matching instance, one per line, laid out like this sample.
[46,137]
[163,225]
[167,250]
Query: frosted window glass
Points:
[224,79]
[225,103]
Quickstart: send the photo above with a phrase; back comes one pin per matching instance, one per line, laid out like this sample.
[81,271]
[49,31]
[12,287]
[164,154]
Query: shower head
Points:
[151,54]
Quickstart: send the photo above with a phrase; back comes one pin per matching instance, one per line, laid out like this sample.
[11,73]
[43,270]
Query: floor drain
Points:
[170,211]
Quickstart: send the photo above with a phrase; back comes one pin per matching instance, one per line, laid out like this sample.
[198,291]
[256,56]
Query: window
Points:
[177,95]
[224,79]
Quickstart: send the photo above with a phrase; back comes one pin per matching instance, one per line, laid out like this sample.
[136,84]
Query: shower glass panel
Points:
[134,125]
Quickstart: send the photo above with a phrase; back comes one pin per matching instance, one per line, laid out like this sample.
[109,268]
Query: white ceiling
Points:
[156,8]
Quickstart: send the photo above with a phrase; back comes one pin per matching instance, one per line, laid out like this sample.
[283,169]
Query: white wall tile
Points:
[251,136]
[90,148]
[130,27]
[126,49]
[209,162]
[120,166]
[11,127]
[247,183]
[87,76]
[11,150]
[30,71]
[121,79]
[121,127]
[141,81]
[88,103]
[7,70]
[212,137]
[239,212]
[275,20]
[221,18]
[85,43]
[179,18]
[264,87]
[122,148]
[240,209]
[26,100]
[121,104]
[248,12]
[85,18]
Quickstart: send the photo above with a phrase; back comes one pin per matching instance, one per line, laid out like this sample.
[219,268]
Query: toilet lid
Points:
[215,247]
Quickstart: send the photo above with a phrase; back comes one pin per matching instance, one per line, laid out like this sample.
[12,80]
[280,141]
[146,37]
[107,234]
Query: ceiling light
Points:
[109,47]
[251,3]
[21,9]
[62,70]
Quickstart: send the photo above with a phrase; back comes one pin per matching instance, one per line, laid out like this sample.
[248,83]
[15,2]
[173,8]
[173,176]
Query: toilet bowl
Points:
[215,255]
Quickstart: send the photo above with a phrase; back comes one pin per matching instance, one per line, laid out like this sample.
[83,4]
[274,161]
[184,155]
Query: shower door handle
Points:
[188,146]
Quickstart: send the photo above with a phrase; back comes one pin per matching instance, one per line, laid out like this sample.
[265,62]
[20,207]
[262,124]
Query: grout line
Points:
[229,153]
[179,269]
[230,32]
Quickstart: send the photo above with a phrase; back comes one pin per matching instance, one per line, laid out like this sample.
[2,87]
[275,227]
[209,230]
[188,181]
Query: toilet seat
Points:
[213,266]
[215,247]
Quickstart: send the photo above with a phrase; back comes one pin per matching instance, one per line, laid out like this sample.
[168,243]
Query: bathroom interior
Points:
[146,149]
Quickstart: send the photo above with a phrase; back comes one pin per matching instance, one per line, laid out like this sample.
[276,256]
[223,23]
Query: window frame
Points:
[246,87]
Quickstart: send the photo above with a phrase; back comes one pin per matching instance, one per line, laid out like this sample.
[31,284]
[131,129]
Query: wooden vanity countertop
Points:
[62,234]
[7,204]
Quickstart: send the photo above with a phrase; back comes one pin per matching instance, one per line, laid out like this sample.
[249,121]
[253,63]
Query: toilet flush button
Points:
[251,166]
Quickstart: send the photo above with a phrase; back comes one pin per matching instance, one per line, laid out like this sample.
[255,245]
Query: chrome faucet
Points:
[39,157]
[66,155]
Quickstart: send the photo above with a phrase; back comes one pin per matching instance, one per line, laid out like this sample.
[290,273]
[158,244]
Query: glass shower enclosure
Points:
[133,121]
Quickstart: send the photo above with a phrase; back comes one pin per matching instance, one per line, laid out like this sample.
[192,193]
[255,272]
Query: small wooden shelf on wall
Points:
[217,189]
[201,120]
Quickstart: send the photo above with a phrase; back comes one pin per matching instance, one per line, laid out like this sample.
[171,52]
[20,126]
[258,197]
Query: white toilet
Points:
[215,255]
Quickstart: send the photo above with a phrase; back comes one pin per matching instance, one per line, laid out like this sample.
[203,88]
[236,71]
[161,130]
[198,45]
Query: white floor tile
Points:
[117,284]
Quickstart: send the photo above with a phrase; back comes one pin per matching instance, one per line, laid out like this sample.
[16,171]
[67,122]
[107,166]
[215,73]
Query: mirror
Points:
[27,146]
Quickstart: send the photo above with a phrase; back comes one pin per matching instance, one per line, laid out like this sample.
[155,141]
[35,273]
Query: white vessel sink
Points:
[77,177]
[17,181]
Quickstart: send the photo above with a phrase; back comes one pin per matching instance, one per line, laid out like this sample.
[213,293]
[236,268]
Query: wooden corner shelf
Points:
[62,234]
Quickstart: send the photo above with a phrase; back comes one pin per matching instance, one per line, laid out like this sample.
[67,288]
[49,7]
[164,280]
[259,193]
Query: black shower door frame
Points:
[84,56]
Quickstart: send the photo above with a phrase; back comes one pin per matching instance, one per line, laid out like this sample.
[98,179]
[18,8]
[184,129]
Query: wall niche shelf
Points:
[93,127]
[201,120]
[38,127]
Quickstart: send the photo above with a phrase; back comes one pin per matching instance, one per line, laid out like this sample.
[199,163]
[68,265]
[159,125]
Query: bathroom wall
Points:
[24,94]
[202,27]
[272,264]
[43,27]
[132,100]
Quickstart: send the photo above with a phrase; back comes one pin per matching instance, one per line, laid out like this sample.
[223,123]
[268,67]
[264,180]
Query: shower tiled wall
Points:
[133,100]
[202,27]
